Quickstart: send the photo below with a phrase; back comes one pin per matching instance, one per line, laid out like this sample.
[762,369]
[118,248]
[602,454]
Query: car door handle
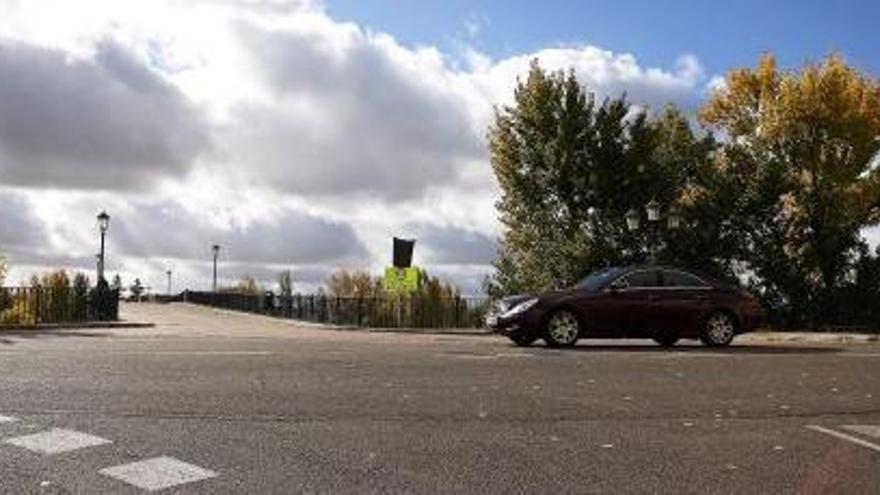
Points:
[652,297]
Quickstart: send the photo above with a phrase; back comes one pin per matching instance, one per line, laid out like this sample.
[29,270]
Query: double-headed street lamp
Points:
[103,225]
[655,215]
[216,250]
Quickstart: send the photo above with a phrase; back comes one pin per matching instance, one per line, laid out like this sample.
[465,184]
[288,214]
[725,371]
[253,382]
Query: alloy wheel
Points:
[563,329]
[720,330]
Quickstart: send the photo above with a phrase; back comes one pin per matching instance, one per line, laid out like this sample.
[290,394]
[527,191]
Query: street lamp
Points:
[653,211]
[216,249]
[632,220]
[103,224]
[168,272]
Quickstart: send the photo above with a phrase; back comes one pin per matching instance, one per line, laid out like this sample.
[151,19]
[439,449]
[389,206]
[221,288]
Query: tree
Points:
[285,284]
[80,295]
[136,289]
[569,169]
[356,283]
[117,283]
[801,155]
[2,270]
[247,285]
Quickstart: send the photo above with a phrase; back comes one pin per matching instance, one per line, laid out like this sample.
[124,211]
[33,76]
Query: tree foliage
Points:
[360,283]
[247,285]
[569,169]
[800,156]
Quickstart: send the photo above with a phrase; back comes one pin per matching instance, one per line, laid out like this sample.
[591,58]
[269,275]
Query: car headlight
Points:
[520,308]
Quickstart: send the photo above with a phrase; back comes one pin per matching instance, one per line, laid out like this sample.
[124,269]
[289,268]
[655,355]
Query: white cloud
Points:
[269,122]
[103,123]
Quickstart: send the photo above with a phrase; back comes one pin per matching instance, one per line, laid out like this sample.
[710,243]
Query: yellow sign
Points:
[401,280]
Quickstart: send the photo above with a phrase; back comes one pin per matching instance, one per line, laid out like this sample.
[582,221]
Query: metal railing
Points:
[373,312]
[41,305]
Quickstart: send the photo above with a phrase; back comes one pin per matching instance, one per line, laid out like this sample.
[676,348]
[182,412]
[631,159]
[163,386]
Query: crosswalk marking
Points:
[56,440]
[867,430]
[158,473]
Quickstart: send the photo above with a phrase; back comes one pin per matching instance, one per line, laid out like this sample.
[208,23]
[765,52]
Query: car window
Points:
[673,278]
[597,280]
[639,279]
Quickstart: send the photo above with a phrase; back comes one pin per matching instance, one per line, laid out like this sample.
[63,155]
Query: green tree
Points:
[80,291]
[800,156]
[569,169]
[2,269]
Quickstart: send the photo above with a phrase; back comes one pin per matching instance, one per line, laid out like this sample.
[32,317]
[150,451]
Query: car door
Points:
[630,301]
[684,300]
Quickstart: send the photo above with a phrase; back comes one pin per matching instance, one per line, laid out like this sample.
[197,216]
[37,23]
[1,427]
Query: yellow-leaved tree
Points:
[801,147]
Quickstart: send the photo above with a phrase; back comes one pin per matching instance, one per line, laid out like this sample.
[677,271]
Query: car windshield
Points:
[598,279]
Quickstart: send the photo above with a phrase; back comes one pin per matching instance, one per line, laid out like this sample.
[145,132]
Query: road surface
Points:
[217,402]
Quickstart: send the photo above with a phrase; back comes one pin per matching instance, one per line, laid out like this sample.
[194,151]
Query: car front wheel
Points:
[719,330]
[562,329]
[666,339]
[523,339]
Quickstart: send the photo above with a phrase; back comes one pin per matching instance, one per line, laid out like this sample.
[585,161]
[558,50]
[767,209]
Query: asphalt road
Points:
[214,402]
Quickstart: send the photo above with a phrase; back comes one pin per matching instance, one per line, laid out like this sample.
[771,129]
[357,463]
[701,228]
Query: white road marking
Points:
[158,473]
[56,440]
[867,430]
[196,353]
[844,436]
[8,419]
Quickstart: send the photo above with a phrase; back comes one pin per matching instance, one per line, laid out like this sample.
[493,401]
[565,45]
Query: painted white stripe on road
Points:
[7,419]
[158,473]
[56,440]
[196,353]
[844,436]
[867,430]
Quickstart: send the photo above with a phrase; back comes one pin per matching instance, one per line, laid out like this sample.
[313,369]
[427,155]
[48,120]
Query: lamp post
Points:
[168,272]
[654,214]
[103,224]
[216,249]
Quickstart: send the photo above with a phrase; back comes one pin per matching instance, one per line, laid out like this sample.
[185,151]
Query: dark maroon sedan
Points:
[661,303]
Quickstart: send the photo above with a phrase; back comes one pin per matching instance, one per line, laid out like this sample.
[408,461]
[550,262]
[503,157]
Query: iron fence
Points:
[373,312]
[41,305]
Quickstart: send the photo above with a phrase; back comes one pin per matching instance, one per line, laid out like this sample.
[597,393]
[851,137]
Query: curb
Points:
[805,337]
[76,326]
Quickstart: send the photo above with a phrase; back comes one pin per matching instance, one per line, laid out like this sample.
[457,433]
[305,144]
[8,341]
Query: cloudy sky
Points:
[294,133]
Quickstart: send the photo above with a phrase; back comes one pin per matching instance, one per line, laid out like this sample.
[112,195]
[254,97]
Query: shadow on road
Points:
[743,349]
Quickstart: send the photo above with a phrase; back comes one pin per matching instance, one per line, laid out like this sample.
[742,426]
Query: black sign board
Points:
[403,251]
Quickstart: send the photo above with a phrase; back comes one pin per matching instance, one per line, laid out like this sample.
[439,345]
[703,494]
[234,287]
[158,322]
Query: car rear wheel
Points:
[562,329]
[719,330]
[666,339]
